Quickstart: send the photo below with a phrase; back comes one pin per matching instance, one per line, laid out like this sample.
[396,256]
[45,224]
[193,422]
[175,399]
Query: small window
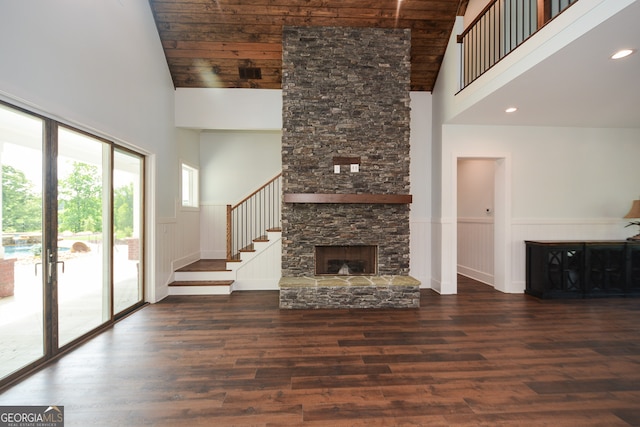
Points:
[189,186]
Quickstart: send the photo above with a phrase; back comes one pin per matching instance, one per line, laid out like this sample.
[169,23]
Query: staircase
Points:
[219,276]
[245,221]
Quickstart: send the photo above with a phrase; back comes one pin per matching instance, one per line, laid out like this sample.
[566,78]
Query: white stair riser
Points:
[200,290]
[190,276]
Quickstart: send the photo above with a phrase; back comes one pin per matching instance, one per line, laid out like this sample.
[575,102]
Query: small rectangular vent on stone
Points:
[250,73]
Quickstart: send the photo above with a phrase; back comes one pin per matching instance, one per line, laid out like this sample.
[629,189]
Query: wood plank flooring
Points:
[479,358]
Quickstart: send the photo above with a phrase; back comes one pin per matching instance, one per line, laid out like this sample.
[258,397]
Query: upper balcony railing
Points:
[501,27]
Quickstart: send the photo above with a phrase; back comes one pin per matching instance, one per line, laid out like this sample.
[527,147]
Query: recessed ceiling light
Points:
[511,110]
[622,53]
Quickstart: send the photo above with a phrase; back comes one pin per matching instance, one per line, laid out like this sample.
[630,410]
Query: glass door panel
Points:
[127,230]
[84,245]
[21,278]
[71,254]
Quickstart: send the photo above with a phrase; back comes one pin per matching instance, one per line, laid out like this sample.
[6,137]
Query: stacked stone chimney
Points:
[345,96]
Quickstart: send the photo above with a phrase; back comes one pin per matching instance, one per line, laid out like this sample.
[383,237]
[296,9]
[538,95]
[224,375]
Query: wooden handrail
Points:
[257,191]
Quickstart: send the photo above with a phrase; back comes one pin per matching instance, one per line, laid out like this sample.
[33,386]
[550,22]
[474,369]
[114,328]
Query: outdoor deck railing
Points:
[253,217]
[501,27]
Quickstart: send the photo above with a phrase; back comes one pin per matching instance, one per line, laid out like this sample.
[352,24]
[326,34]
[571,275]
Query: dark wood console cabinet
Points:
[587,269]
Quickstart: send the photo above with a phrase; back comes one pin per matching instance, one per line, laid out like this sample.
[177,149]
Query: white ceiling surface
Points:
[579,86]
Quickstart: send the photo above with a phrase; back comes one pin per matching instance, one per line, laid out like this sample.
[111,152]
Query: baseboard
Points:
[184,261]
[480,276]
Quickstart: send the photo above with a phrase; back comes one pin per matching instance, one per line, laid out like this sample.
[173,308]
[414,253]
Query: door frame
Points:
[51,350]
[502,221]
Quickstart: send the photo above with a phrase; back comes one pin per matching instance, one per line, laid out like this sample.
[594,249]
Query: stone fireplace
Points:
[345,150]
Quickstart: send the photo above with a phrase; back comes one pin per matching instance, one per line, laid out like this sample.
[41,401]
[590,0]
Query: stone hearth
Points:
[349,292]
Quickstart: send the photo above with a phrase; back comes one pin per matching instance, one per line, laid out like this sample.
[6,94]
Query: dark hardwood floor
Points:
[479,358]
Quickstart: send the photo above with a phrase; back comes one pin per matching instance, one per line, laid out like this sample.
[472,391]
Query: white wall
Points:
[236,163]
[566,183]
[233,165]
[231,109]
[443,228]
[420,175]
[99,66]
[559,172]
[187,242]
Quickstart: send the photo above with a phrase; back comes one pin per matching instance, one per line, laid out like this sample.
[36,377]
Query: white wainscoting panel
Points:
[177,243]
[443,268]
[420,252]
[165,252]
[187,238]
[213,231]
[475,248]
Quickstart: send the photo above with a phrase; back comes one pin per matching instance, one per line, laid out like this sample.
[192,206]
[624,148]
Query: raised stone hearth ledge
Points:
[306,282]
[315,292]
[389,199]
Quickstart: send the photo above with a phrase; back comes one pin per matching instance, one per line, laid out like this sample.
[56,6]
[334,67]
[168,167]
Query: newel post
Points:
[229,232]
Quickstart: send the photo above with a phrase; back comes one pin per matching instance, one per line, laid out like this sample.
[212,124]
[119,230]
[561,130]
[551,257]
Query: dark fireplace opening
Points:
[346,260]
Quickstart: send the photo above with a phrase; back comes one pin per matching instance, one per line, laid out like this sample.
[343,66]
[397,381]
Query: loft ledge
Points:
[399,199]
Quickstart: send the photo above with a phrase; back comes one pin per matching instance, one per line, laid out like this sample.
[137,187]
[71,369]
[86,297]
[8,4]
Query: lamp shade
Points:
[634,212]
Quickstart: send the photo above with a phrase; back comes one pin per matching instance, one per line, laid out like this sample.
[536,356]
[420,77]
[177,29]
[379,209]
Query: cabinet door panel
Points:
[606,269]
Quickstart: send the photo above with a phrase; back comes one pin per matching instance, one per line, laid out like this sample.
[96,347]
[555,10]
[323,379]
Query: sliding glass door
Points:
[127,229]
[72,221]
[21,270]
[83,246]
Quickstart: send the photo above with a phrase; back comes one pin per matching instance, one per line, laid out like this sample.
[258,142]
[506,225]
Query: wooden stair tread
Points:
[248,248]
[202,283]
[206,265]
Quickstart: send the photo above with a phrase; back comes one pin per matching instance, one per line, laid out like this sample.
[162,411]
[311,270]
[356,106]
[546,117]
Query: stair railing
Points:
[253,217]
[502,26]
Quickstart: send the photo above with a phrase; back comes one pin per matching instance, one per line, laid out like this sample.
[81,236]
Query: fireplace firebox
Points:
[346,260]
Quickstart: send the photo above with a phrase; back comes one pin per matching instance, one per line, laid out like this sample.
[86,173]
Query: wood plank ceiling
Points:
[207,42]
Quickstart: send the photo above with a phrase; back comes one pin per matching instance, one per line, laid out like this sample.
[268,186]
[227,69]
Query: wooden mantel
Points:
[397,199]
